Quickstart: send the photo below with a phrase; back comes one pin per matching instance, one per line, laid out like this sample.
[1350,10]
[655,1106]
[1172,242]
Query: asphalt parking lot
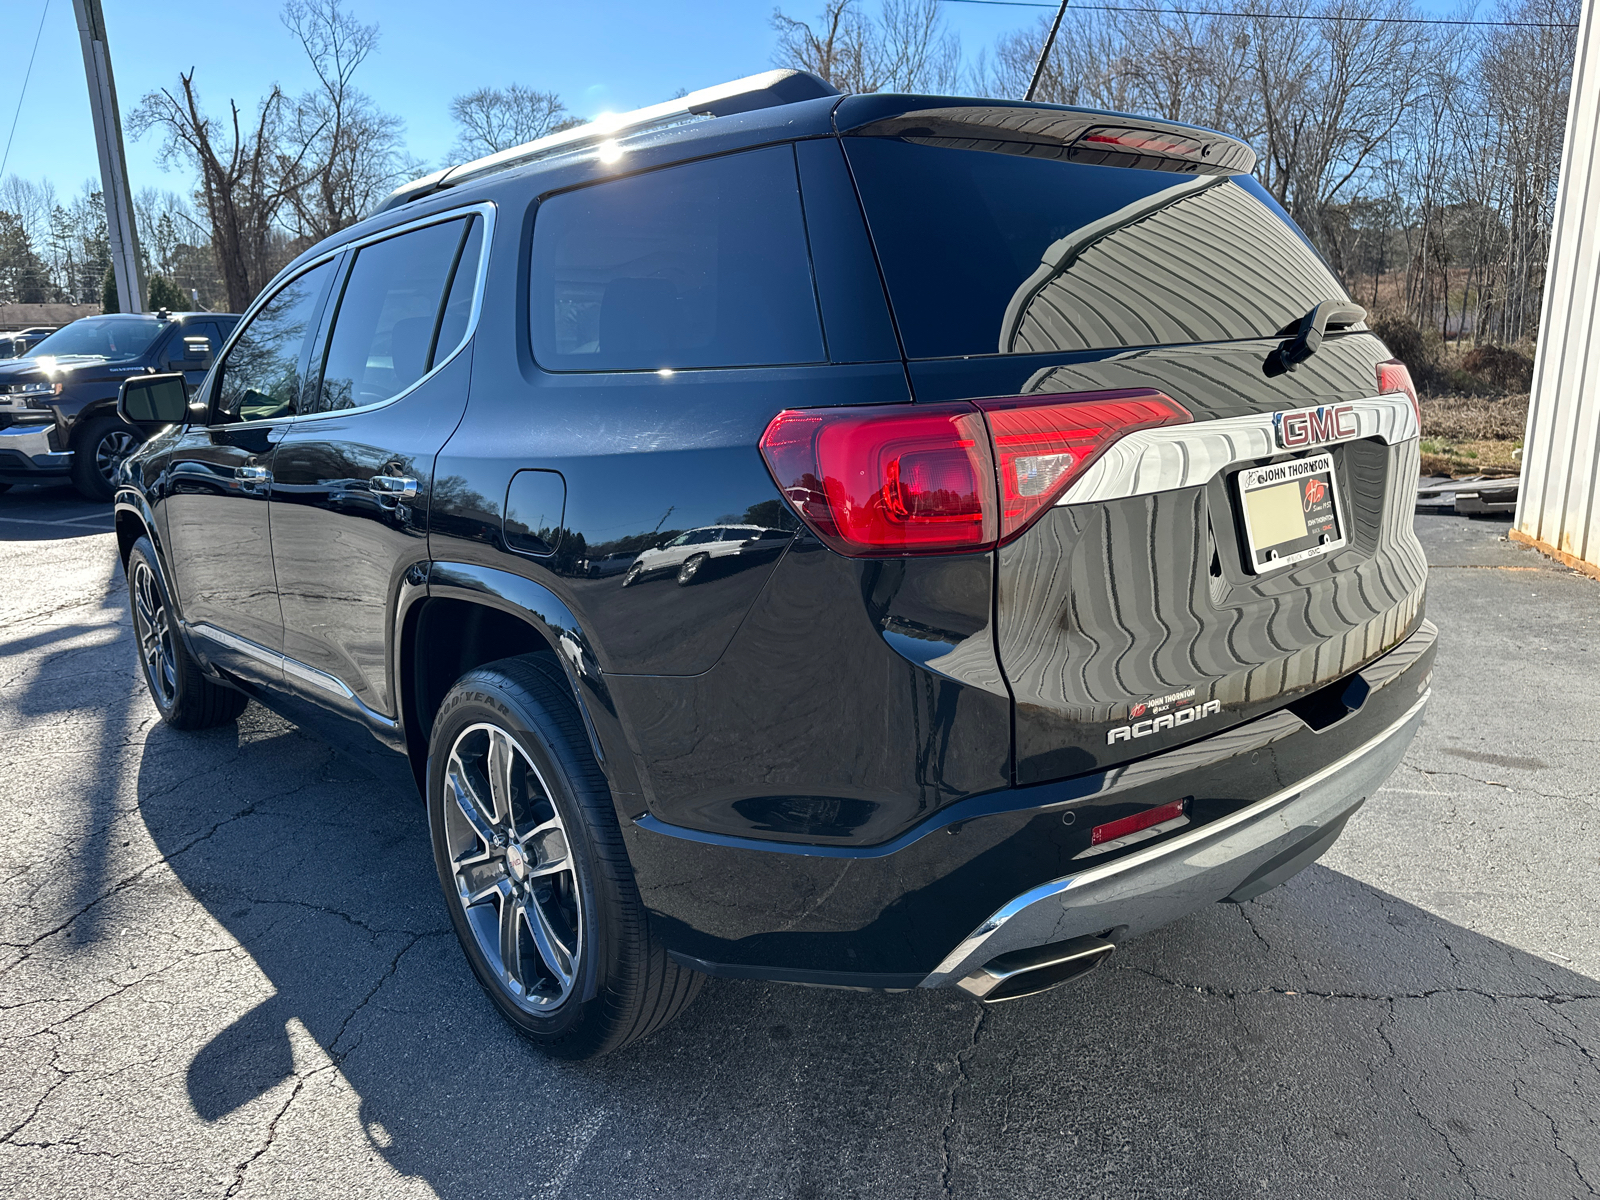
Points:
[224,971]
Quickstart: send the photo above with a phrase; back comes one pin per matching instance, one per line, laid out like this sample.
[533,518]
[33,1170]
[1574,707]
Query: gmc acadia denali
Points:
[867,541]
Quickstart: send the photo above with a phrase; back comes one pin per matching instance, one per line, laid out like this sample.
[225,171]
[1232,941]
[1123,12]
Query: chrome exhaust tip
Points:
[1036,969]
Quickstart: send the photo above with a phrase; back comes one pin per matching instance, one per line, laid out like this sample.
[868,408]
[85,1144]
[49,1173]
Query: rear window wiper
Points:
[1307,333]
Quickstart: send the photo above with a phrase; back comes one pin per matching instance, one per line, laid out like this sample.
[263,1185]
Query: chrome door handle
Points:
[253,474]
[393,487]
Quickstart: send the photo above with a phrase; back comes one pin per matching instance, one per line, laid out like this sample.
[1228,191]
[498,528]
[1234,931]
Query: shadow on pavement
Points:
[49,513]
[1327,1039]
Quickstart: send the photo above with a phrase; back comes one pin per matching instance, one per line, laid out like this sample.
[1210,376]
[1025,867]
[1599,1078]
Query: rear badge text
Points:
[1313,426]
[1168,720]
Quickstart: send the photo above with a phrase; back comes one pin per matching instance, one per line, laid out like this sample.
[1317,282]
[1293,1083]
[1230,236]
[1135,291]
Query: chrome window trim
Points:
[485,209]
[1178,456]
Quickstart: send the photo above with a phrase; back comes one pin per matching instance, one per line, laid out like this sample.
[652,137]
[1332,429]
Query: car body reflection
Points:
[696,553]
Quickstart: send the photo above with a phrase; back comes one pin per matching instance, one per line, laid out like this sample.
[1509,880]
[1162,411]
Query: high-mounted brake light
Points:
[942,478]
[1395,376]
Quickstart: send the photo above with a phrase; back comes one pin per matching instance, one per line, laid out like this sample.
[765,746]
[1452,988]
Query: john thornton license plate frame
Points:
[1291,512]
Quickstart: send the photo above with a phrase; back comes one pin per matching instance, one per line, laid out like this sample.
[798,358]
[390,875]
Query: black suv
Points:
[1075,583]
[58,399]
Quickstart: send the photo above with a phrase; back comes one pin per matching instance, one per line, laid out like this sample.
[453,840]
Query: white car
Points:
[693,548]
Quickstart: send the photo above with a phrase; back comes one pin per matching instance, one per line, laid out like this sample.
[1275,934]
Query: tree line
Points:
[1420,156]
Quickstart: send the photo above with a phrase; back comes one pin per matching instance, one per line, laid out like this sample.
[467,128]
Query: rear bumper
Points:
[890,915]
[1236,857]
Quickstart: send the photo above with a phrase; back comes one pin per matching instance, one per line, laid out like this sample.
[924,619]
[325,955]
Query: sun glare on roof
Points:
[610,151]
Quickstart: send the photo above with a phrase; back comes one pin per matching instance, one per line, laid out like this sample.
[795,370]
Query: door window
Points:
[262,377]
[387,330]
[701,265]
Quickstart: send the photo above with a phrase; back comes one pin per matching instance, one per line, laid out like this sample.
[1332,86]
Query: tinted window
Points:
[261,377]
[702,265]
[383,330]
[991,253]
[463,290]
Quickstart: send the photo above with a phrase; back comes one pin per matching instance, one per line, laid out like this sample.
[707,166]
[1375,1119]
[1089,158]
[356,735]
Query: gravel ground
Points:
[224,971]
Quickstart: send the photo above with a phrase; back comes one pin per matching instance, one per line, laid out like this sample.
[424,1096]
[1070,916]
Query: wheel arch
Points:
[473,615]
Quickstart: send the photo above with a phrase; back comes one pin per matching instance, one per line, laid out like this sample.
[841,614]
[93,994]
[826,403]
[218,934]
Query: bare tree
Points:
[353,153]
[493,119]
[245,176]
[903,48]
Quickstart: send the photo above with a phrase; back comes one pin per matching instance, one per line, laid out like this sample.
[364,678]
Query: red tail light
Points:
[907,479]
[1395,376]
[1042,446]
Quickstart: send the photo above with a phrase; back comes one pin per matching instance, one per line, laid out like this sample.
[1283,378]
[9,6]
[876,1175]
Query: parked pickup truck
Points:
[58,400]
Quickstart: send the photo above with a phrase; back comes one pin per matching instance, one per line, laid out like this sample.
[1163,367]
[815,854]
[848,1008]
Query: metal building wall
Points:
[1559,508]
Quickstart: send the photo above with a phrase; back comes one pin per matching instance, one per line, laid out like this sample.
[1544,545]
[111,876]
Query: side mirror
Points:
[152,402]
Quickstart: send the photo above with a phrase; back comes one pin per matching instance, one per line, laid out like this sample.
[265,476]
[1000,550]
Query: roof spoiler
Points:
[766,90]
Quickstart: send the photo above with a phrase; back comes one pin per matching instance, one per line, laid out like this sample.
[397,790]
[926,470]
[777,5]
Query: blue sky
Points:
[599,55]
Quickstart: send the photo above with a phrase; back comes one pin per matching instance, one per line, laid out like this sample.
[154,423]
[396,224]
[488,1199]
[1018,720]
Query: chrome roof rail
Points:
[766,90]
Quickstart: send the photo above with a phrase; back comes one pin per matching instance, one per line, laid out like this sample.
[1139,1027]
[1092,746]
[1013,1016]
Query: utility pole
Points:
[120,231]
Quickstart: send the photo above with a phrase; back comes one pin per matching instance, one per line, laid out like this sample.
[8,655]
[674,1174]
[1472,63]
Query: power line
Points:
[1208,12]
[26,75]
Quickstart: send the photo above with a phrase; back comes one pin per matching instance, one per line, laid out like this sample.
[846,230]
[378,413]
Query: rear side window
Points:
[991,253]
[701,265]
[387,331]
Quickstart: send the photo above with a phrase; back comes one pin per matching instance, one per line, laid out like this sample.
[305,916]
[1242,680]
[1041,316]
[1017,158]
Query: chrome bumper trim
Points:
[1175,877]
[34,441]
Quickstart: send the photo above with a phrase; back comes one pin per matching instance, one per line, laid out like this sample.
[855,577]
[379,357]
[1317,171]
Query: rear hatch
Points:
[1197,571]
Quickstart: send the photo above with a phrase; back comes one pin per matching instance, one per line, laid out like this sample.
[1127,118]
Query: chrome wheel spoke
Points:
[479,815]
[513,920]
[480,877]
[499,769]
[557,955]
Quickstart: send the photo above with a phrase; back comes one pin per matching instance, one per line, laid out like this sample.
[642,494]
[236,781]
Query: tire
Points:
[98,449]
[632,576]
[691,568]
[183,695]
[592,979]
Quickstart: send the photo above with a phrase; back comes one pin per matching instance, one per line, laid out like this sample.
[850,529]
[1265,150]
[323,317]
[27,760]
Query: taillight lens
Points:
[889,479]
[939,478]
[1042,446]
[1394,376]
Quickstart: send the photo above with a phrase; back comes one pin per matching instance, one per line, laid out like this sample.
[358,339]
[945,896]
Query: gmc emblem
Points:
[1313,426]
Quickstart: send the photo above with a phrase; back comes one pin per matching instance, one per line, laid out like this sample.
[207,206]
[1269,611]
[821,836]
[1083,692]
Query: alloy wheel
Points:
[513,868]
[111,449]
[154,633]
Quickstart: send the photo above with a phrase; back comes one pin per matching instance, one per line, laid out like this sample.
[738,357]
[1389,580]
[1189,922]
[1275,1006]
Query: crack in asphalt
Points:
[962,1078]
[1516,789]
[1552,998]
[1405,1090]
[1555,1135]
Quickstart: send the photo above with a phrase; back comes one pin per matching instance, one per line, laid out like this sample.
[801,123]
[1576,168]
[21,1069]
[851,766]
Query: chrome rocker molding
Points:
[1180,456]
[294,669]
[1235,857]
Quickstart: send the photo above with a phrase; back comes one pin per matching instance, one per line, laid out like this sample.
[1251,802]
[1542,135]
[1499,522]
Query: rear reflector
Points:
[942,478]
[1395,376]
[1113,830]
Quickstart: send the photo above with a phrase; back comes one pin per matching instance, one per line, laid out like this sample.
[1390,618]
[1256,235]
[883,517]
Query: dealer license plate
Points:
[1291,511]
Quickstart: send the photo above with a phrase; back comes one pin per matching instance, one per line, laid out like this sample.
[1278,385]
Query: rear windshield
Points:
[989,253]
